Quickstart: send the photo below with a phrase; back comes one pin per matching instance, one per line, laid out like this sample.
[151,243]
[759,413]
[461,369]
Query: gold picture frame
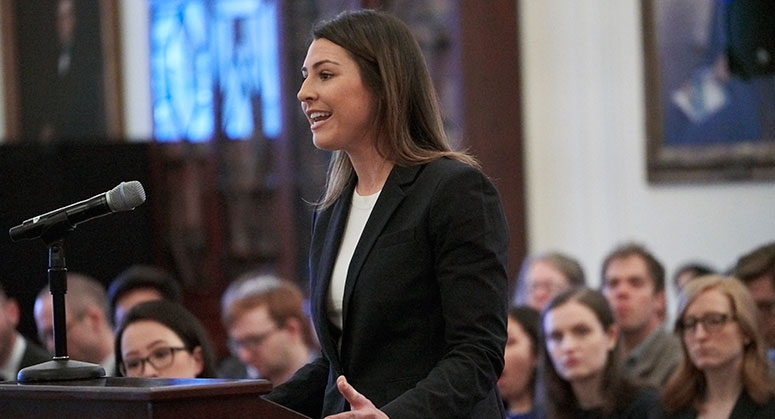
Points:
[707,121]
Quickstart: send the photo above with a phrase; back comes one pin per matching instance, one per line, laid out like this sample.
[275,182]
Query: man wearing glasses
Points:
[268,329]
[757,270]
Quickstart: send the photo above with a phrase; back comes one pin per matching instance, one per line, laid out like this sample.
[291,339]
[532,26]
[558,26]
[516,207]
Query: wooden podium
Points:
[136,398]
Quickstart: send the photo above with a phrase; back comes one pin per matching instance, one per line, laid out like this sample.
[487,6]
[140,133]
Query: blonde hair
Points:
[687,386]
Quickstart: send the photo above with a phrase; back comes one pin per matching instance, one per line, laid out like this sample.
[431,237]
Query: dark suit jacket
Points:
[33,355]
[424,308]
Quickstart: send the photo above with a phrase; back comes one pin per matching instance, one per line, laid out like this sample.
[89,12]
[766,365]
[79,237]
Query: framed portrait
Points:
[61,72]
[710,89]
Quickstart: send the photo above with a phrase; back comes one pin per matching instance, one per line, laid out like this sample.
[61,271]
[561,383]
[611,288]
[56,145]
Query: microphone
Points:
[124,197]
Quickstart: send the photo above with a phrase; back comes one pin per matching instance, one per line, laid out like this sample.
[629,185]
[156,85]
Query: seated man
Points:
[757,270]
[16,351]
[633,282]
[267,327]
[89,332]
[137,284]
[689,271]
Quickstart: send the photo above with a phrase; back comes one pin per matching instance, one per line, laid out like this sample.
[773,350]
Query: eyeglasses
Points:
[711,322]
[548,286]
[250,342]
[159,358]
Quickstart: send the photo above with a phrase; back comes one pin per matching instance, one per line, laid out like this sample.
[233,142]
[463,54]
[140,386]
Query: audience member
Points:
[518,379]
[689,271]
[89,332]
[137,284]
[546,275]
[580,374]
[268,329]
[16,351]
[724,372]
[162,339]
[757,270]
[633,282]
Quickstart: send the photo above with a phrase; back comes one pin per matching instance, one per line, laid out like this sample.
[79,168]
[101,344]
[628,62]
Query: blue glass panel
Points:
[200,47]
[181,71]
[248,67]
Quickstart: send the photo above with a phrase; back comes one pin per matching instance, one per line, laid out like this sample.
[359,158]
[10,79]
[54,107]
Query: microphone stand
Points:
[61,367]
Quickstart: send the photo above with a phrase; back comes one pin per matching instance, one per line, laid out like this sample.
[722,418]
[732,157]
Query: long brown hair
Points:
[407,116]
[557,394]
[687,387]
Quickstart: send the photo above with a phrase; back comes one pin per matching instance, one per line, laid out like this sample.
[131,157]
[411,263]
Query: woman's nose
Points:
[149,371]
[568,343]
[305,91]
[699,331]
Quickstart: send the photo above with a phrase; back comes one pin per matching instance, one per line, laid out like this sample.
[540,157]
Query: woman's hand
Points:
[360,406]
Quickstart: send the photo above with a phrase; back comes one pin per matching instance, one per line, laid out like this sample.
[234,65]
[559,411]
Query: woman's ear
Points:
[293,327]
[199,360]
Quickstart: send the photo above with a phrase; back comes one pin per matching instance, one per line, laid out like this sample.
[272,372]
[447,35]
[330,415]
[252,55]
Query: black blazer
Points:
[33,355]
[744,408]
[425,300]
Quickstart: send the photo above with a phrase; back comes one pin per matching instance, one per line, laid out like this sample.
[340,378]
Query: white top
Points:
[109,364]
[13,364]
[359,214]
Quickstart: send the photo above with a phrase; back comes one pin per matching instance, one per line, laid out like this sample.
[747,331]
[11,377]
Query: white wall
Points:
[135,68]
[585,149]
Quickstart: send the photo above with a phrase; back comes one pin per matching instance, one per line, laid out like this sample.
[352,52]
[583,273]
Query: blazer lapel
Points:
[391,196]
[332,223]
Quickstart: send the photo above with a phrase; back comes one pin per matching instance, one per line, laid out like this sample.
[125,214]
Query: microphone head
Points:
[126,196]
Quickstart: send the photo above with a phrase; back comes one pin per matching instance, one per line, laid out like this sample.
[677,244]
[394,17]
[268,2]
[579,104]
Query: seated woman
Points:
[724,371]
[545,275]
[517,381]
[580,376]
[162,339]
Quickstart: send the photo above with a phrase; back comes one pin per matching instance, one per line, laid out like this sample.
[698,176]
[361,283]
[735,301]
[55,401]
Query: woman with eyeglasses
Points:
[724,371]
[545,275]
[162,339]
[581,375]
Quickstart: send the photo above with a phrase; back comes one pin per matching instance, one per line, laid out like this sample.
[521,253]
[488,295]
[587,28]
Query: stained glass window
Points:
[214,69]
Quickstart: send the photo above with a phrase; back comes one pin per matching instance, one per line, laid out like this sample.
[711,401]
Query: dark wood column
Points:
[492,108]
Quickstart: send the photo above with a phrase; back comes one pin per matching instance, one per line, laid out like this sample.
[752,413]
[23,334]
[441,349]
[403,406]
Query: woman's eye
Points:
[581,330]
[325,76]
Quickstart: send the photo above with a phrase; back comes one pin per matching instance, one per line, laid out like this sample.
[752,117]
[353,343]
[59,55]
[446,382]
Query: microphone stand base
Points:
[60,370]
